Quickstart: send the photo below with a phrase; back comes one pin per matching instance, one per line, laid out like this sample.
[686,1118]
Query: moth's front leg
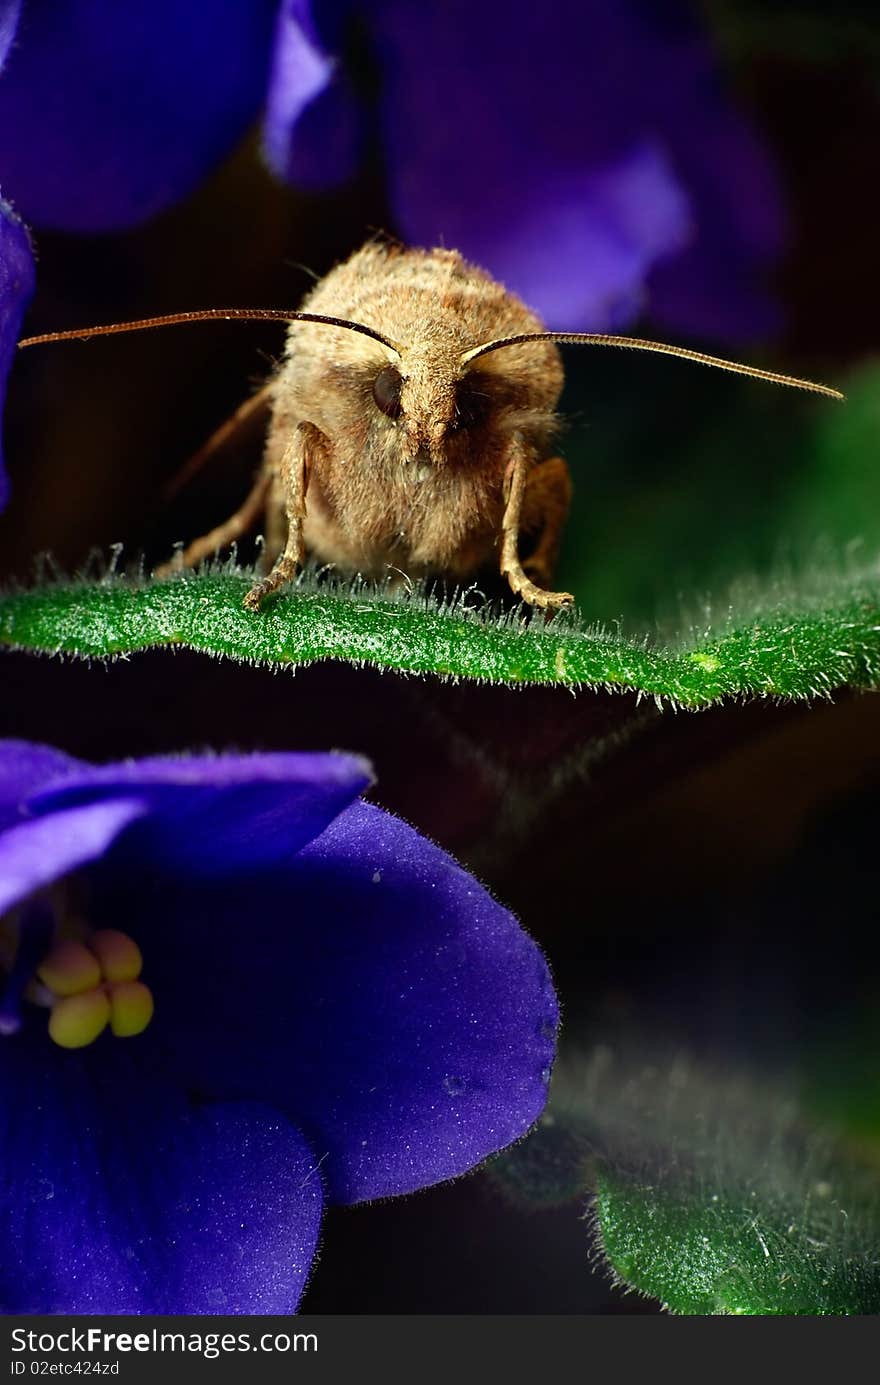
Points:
[516,473]
[546,502]
[307,448]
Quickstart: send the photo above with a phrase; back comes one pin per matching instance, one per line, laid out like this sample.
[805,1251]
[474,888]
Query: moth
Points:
[411,427]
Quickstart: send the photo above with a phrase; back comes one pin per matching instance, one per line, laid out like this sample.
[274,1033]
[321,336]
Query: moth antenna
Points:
[209,315]
[637,344]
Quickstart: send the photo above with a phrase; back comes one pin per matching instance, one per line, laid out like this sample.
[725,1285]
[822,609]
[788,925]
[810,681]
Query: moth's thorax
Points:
[424,486]
[420,296]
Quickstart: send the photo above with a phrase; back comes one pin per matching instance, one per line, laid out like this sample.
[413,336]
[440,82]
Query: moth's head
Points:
[444,410]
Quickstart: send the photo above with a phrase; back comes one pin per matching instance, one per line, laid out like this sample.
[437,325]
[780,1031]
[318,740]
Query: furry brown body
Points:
[422,492]
[430,490]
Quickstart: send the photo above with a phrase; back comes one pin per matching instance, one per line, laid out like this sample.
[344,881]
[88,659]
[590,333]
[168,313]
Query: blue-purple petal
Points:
[26,767]
[584,153]
[608,227]
[16,287]
[721,285]
[9,16]
[111,112]
[37,852]
[713,292]
[211,815]
[373,989]
[117,1195]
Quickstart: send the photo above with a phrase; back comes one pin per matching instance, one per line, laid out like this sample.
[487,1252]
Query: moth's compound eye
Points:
[386,391]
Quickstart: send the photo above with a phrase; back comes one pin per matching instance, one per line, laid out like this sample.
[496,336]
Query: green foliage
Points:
[724,1201]
[685,480]
[781,1241]
[796,645]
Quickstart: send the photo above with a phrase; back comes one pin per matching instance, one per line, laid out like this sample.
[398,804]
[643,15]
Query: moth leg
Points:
[546,503]
[275,535]
[228,432]
[307,444]
[226,533]
[515,478]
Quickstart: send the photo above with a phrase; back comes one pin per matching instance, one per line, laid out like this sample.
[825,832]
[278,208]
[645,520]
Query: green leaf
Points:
[807,1246]
[714,1193]
[798,646]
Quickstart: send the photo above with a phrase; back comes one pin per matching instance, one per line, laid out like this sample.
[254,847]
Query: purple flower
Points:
[584,152]
[16,287]
[110,112]
[339,1012]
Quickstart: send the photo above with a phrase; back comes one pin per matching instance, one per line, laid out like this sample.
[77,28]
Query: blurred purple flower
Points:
[341,1012]
[16,287]
[110,112]
[583,151]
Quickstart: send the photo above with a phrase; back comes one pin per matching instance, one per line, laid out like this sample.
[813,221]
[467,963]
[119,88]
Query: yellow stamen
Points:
[77,1020]
[70,969]
[119,955]
[89,981]
[131,1008]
